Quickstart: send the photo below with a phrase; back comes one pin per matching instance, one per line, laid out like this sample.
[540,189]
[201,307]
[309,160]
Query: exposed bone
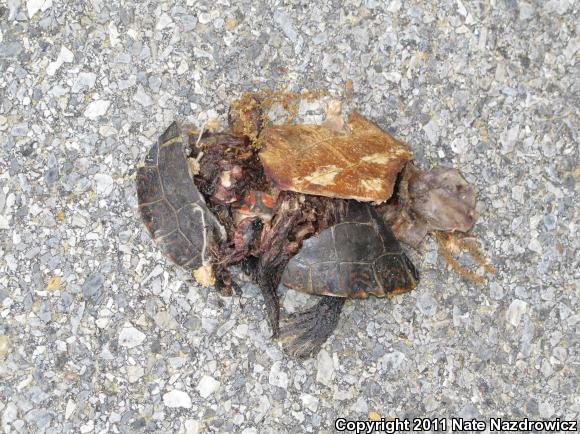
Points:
[204,275]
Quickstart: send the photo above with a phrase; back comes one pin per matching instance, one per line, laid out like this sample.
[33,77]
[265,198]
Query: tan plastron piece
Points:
[314,159]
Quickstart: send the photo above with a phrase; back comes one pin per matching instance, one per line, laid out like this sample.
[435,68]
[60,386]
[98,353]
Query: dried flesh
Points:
[264,227]
[442,202]
[427,201]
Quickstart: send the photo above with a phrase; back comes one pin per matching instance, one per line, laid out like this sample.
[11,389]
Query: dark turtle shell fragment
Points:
[171,206]
[355,258]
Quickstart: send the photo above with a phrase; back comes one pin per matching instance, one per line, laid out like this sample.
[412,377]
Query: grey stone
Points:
[427,304]
[393,362]
[93,284]
[360,406]
[84,81]
[142,98]
[283,20]
[39,418]
[19,130]
[277,376]
[51,175]
[44,313]
[10,49]
[546,410]
[432,131]
[188,22]
[550,221]
[154,83]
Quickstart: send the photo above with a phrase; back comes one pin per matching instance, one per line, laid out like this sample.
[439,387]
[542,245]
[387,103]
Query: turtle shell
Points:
[355,258]
[171,206]
[361,163]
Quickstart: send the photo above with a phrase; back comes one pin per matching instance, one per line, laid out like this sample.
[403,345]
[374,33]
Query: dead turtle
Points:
[229,212]
[212,200]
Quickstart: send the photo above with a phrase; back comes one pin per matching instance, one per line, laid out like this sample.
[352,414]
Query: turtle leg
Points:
[267,280]
[275,255]
[304,333]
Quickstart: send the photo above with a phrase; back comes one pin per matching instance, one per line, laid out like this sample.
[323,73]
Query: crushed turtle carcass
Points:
[320,208]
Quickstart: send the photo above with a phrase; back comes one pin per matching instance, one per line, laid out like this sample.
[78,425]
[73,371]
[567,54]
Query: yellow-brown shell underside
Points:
[361,164]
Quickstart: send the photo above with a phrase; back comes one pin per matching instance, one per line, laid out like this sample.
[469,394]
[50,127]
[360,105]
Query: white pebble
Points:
[134,373]
[310,402]
[325,372]
[65,55]
[535,246]
[164,21]
[295,301]
[70,408]
[516,311]
[142,98]
[559,7]
[546,410]
[241,331]
[85,80]
[460,145]
[432,131]
[207,385]
[509,139]
[394,6]
[104,183]
[177,398]
[191,426]
[392,362]
[130,337]
[526,11]
[33,6]
[278,377]
[96,109]
[113,34]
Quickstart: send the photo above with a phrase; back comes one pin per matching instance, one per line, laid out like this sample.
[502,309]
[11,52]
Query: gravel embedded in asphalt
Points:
[99,332]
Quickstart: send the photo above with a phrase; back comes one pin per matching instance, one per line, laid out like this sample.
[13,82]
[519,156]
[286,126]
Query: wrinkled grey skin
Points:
[444,199]
[436,200]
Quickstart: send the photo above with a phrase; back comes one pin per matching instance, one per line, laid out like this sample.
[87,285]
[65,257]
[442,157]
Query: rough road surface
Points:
[100,333]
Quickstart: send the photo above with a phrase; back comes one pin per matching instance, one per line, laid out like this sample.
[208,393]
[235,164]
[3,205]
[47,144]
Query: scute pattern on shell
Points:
[360,164]
[356,258]
[170,204]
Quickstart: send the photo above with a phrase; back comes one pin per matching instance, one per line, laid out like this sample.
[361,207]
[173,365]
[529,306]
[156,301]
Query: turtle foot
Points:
[304,333]
[272,306]
[273,310]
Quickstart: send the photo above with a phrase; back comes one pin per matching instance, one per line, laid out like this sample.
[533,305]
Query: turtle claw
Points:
[303,334]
